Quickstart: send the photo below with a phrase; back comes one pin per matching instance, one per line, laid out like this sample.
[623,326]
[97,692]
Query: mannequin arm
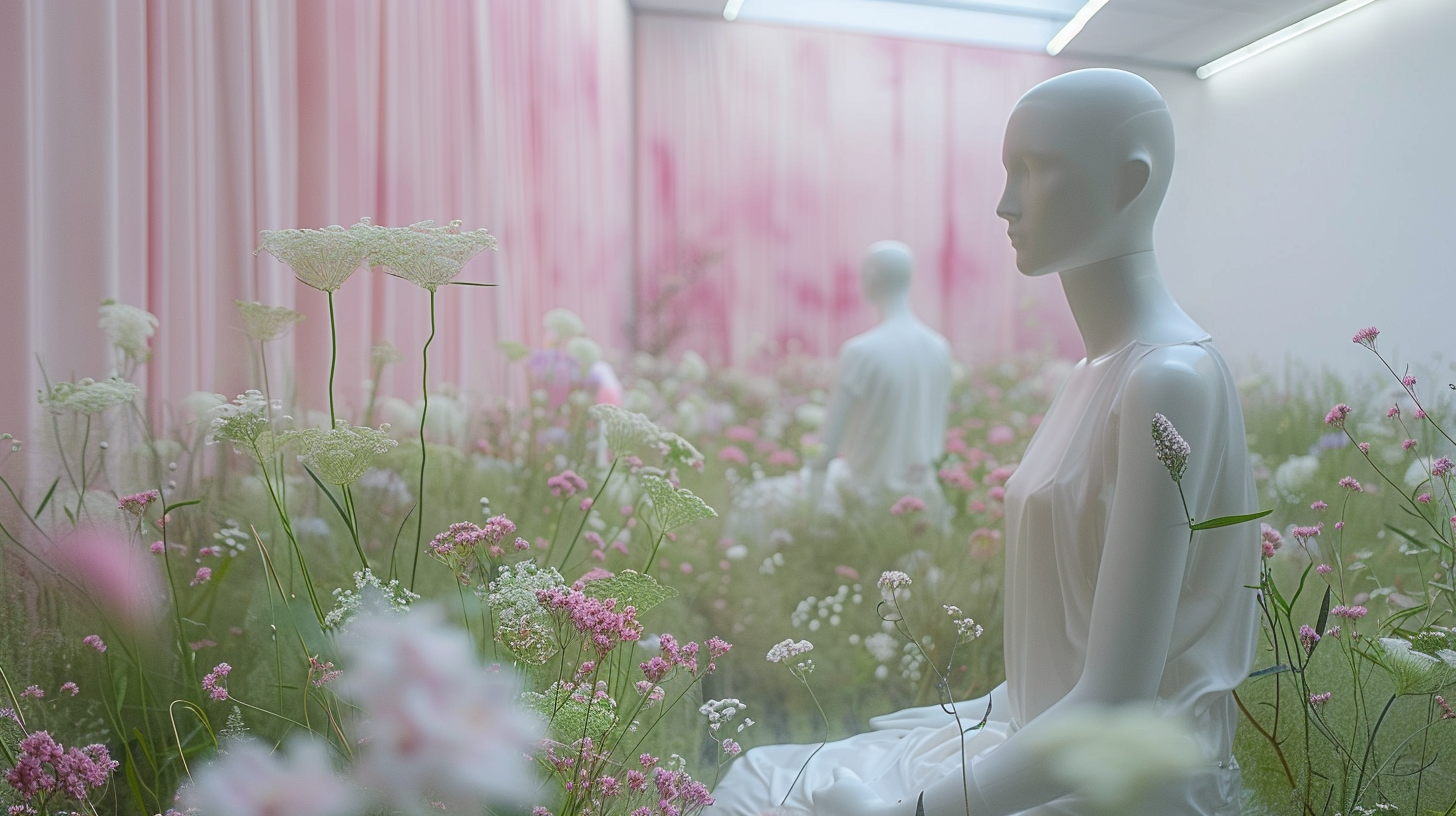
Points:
[831,438]
[1138,585]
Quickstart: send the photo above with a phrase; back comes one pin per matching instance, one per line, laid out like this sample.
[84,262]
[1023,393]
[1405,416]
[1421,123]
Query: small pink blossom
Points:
[1318,700]
[137,503]
[740,433]
[1304,534]
[1366,337]
[1337,414]
[733,454]
[213,683]
[907,504]
[1424,498]
[157,548]
[204,574]
[1409,381]
[1309,637]
[1363,446]
[1349,612]
[1000,435]
[70,688]
[731,748]
[95,642]
[586,504]
[783,458]
[1393,413]
[206,552]
[1446,712]
[1333,631]
[1350,484]
[1441,467]
[566,483]
[33,691]
[1323,569]
[845,571]
[1318,505]
[1408,444]
[1339,525]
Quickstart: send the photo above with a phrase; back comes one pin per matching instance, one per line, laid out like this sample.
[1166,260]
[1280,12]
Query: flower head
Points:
[1366,337]
[137,503]
[564,324]
[340,456]
[788,649]
[1336,416]
[907,505]
[324,258]
[128,329]
[263,322]
[88,396]
[424,254]
[250,778]
[1170,447]
[95,642]
[213,682]
[1415,672]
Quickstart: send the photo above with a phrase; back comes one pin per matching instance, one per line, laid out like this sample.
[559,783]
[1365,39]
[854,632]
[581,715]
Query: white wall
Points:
[1315,193]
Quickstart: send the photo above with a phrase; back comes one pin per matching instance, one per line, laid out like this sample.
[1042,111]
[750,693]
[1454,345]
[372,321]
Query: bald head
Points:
[887,268]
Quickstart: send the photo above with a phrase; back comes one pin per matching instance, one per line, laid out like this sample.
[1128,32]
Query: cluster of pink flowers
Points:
[1349,612]
[45,768]
[1366,337]
[1271,540]
[957,477]
[464,544]
[1309,637]
[566,483]
[321,671]
[204,574]
[137,503]
[596,619]
[1351,485]
[213,683]
[907,504]
[668,793]
[1318,700]
[95,642]
[1337,415]
[685,657]
[1441,467]
[1446,712]
[1304,534]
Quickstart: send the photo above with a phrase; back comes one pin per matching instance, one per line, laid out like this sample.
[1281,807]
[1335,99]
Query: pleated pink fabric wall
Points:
[769,158]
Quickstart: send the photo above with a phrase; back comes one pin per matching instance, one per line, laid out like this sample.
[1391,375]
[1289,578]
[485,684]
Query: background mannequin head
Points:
[886,271]
[1088,156]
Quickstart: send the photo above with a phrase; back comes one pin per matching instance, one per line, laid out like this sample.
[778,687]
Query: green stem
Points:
[805,766]
[1370,746]
[424,411]
[288,531]
[333,360]
[653,556]
[587,514]
[354,524]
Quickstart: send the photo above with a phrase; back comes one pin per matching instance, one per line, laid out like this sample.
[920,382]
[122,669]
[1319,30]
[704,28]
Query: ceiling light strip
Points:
[731,9]
[1283,35]
[1074,26]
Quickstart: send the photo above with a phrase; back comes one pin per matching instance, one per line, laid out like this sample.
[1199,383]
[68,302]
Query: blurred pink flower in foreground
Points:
[105,566]
[438,723]
[250,780]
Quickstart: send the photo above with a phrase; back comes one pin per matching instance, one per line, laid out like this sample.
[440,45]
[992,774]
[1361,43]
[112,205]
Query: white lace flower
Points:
[629,433]
[342,454]
[128,328]
[384,354]
[1414,672]
[584,350]
[324,258]
[88,396]
[788,649]
[440,725]
[348,603]
[251,779]
[427,255]
[692,367]
[263,322]
[564,324]
[243,422]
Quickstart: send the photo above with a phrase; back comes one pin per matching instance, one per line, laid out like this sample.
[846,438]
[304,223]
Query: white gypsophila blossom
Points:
[891,580]
[263,322]
[321,258]
[1415,672]
[341,455]
[828,609]
[128,328]
[1115,755]
[882,646]
[722,712]
[584,350]
[524,627]
[692,367]
[439,725]
[810,415]
[564,324]
[1170,447]
[1295,474]
[788,649]
[88,396]
[424,254]
[249,779]
[348,603]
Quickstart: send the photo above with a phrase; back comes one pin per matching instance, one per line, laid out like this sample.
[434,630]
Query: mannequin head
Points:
[1088,155]
[886,272]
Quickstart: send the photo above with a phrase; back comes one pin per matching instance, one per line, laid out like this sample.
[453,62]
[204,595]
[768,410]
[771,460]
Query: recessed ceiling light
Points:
[1283,35]
[731,8]
[1074,26]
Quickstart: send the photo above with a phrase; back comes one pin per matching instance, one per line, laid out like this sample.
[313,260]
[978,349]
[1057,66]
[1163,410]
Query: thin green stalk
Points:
[805,766]
[653,556]
[333,360]
[1370,746]
[587,514]
[424,450]
[354,524]
[288,530]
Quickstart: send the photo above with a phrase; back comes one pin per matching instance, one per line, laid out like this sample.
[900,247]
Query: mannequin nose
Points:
[1008,208]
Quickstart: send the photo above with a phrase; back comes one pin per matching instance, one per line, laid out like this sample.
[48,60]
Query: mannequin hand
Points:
[931,716]
[848,796]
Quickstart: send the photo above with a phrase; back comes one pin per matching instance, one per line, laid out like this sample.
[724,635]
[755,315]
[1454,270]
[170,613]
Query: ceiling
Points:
[1170,33]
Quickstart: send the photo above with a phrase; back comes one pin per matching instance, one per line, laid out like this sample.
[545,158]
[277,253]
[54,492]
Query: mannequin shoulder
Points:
[1170,377]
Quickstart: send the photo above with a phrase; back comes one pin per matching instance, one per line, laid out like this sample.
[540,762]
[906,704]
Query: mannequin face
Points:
[1057,200]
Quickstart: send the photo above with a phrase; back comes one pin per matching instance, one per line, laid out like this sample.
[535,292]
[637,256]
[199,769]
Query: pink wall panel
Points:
[780,154]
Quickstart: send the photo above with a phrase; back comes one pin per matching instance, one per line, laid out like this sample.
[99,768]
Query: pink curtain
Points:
[146,142]
[769,158]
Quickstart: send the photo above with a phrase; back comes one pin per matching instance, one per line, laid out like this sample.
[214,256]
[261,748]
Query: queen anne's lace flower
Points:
[1170,447]
[1415,672]
[88,396]
[788,649]
[128,328]
[324,258]
[384,354]
[564,324]
[243,422]
[525,626]
[347,603]
[424,254]
[263,322]
[674,507]
[584,350]
[341,455]
[629,433]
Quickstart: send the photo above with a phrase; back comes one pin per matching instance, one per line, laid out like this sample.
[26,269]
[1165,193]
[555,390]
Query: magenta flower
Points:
[566,483]
[45,767]
[1350,484]
[1393,413]
[95,642]
[1319,505]
[70,688]
[213,683]
[1337,414]
[1324,569]
[1408,444]
[1366,337]
[1309,637]
[137,503]
[733,454]
[907,504]
[204,574]
[1318,700]
[1349,612]
[1304,534]
[1441,467]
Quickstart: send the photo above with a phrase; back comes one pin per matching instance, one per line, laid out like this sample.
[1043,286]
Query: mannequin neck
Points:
[1123,299]
[895,307]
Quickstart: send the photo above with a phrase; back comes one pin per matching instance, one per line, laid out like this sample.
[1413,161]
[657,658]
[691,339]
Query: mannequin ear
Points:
[1135,174]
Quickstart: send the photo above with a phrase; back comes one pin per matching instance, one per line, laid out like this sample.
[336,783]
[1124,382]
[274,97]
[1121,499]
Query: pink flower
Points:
[33,691]
[1349,612]
[1393,413]
[1318,505]
[1441,467]
[1446,712]
[205,552]
[157,548]
[845,571]
[204,574]
[1363,446]
[1304,534]
[1000,435]
[321,672]
[46,768]
[1268,549]
[95,642]
[907,504]
[105,564]
[1000,474]
[1309,637]
[1318,700]
[1323,569]
[997,493]
[740,433]
[1271,538]
[1424,498]
[1366,337]
[212,682]
[1409,381]
[1408,444]
[733,454]
[70,688]
[596,574]
[1350,484]
[783,458]
[566,483]
[1337,414]
[585,505]
[137,503]
[731,748]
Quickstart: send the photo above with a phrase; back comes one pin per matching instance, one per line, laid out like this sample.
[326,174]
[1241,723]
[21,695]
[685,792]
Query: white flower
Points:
[1114,756]
[787,649]
[263,322]
[564,324]
[128,329]
[584,350]
[324,258]
[1415,672]
[882,645]
[1170,447]
[342,455]
[891,580]
[439,723]
[87,396]
[424,254]
[810,415]
[250,780]
[692,367]
[392,597]
[1296,474]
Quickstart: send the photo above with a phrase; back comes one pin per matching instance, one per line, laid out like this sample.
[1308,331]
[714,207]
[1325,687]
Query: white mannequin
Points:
[887,415]
[1106,601]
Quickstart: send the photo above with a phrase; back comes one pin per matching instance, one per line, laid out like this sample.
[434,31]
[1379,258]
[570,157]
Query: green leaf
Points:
[47,499]
[630,588]
[1227,521]
[345,516]
[674,507]
[1319,626]
[169,508]
[468,283]
[1265,672]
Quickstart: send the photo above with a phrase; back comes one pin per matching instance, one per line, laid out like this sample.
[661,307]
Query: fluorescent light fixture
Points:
[1281,36]
[968,22]
[731,8]
[1074,26]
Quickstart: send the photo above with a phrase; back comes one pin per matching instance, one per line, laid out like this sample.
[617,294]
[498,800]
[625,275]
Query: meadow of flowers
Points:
[591,602]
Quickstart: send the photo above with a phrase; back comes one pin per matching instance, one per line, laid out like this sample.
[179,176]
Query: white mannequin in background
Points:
[1106,601]
[887,414]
